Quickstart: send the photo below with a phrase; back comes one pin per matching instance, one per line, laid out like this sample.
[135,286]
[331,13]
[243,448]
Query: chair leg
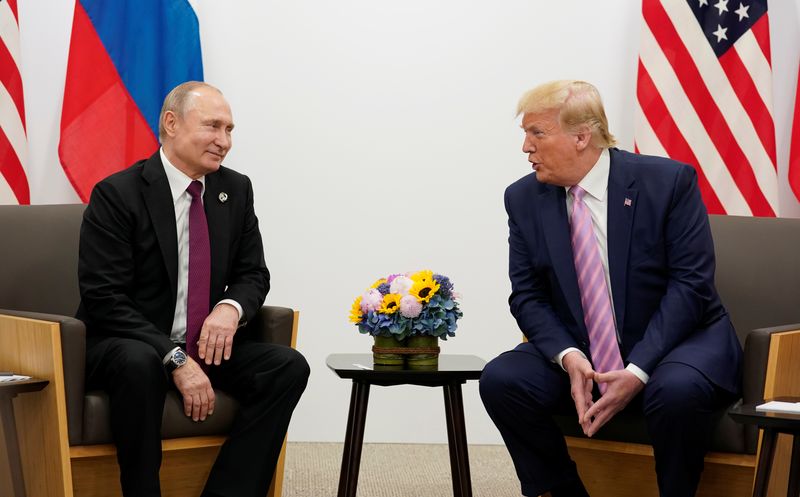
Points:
[276,487]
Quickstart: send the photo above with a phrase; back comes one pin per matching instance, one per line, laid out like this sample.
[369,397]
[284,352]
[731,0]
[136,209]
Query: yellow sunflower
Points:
[378,283]
[355,311]
[424,276]
[391,303]
[424,290]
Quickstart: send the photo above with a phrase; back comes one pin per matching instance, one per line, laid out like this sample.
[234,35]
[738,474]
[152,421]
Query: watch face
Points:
[179,357]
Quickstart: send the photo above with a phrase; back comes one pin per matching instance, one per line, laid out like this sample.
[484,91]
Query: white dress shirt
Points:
[178,183]
[595,183]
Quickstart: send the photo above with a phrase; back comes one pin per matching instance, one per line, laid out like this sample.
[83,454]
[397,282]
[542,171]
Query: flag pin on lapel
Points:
[628,202]
[223,197]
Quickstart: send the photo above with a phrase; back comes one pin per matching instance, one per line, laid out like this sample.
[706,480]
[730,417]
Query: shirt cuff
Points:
[168,356]
[637,371]
[233,303]
[559,359]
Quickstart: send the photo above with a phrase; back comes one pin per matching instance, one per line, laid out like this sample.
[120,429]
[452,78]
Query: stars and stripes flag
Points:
[794,152]
[13,142]
[704,97]
[124,57]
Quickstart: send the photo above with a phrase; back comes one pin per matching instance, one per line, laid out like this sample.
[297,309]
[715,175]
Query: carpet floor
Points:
[397,470]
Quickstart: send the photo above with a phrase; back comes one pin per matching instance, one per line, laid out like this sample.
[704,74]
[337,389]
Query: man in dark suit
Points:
[171,265]
[626,306]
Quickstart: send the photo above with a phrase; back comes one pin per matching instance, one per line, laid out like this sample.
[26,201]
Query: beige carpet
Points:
[397,470]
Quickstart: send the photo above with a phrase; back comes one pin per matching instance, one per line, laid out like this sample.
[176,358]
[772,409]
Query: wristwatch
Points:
[176,360]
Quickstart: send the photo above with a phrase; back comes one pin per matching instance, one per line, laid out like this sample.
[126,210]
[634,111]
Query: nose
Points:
[528,146]
[223,139]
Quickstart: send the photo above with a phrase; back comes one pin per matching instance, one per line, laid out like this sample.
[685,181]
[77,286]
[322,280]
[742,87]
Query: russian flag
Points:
[124,57]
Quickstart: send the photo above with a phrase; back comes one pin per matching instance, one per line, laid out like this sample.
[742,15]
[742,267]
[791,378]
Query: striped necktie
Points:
[595,299]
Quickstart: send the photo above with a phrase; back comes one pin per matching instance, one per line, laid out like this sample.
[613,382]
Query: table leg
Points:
[769,438]
[794,468]
[457,438]
[353,439]
[12,445]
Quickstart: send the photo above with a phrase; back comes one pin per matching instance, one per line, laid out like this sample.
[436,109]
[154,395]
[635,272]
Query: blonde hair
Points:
[178,101]
[579,104]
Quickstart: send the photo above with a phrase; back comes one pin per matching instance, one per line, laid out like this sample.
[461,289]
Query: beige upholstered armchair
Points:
[64,433]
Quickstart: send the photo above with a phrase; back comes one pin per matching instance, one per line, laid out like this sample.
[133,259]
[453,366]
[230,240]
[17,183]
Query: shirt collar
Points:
[178,181]
[595,183]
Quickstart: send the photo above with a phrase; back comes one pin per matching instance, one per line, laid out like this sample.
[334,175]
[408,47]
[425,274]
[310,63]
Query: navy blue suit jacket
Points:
[661,265]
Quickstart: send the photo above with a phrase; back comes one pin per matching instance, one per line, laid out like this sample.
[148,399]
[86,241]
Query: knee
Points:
[138,367]
[678,392]
[497,381]
[293,370]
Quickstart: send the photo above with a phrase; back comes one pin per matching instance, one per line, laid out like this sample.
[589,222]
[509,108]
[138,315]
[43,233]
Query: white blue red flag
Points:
[704,97]
[124,57]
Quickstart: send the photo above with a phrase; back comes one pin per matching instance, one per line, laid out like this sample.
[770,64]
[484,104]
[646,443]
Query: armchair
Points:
[758,278]
[64,433]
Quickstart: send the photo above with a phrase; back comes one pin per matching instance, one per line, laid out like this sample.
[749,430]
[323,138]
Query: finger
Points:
[195,407]
[187,405]
[203,405]
[211,346]
[602,377]
[212,400]
[228,347]
[598,422]
[202,342]
[219,349]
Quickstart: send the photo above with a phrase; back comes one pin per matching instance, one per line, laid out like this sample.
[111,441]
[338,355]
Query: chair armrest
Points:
[754,372]
[274,324]
[73,353]
[756,354]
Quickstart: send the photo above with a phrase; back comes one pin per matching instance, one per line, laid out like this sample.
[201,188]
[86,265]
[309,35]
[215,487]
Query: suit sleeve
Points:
[248,281]
[530,300]
[689,251]
[106,271]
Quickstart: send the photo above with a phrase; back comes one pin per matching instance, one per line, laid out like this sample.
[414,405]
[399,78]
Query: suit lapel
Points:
[555,227]
[621,209]
[161,208]
[218,217]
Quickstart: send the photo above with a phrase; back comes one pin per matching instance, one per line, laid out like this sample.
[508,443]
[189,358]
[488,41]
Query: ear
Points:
[583,138]
[170,123]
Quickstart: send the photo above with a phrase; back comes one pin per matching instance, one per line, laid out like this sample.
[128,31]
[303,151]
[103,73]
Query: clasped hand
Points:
[621,387]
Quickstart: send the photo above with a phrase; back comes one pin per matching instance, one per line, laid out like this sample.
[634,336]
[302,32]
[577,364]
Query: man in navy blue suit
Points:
[678,358]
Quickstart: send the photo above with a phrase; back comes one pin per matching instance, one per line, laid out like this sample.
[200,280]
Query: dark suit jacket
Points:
[661,264]
[128,259]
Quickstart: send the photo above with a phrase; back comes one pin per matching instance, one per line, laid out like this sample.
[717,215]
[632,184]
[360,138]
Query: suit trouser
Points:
[521,390]
[266,379]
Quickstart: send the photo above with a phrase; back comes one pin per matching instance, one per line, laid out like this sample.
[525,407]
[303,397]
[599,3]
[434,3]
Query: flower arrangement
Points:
[411,304]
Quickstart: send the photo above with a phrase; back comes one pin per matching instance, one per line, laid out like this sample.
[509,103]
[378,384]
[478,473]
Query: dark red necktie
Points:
[198,293]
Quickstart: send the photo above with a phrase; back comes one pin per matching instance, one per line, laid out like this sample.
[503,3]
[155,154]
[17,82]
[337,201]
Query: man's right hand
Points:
[580,374]
[194,385]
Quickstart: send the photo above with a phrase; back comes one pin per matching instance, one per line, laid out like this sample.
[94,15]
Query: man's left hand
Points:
[216,335]
[622,386]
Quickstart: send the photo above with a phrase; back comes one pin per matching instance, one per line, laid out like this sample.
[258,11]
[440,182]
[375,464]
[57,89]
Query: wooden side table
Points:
[9,390]
[452,372]
[772,423]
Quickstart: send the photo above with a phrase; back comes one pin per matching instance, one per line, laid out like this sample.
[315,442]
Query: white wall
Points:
[380,136]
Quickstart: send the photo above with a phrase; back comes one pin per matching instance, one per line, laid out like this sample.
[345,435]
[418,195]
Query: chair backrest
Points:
[39,254]
[758,270]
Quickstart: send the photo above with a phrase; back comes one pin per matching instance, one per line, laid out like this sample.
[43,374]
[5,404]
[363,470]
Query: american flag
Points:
[13,142]
[794,153]
[704,97]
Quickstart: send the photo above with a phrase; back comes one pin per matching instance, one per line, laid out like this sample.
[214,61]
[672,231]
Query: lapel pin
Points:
[223,197]
[628,201]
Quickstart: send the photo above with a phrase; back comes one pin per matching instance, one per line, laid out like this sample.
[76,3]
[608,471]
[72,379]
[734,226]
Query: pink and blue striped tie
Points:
[594,292]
